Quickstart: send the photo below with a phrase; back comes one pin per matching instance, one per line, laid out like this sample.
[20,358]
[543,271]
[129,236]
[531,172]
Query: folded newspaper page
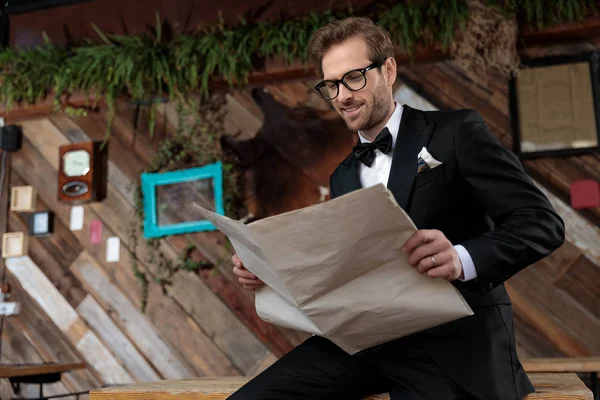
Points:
[335,269]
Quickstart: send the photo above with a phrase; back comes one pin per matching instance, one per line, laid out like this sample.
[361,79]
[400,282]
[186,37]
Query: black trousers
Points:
[318,369]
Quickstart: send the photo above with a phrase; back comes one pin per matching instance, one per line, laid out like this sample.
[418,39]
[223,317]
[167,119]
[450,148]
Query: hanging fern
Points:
[144,67]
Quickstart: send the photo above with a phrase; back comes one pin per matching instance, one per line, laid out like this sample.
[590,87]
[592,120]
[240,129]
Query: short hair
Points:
[378,39]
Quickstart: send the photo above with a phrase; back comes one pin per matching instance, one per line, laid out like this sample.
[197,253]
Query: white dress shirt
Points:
[379,172]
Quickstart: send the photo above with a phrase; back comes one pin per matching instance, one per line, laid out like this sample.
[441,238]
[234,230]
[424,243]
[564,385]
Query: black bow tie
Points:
[365,152]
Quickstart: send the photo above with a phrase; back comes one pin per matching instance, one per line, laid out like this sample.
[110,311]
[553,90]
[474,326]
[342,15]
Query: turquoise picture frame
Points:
[150,182]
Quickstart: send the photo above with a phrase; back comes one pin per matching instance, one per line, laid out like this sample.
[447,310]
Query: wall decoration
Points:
[113,249]
[76,223]
[555,106]
[96,232]
[585,193]
[23,198]
[14,244]
[82,172]
[168,199]
[41,223]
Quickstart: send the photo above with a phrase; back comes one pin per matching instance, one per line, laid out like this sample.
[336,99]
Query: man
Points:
[480,219]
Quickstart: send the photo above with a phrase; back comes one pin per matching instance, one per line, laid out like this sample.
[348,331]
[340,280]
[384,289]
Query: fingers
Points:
[441,259]
[447,265]
[246,281]
[236,261]
[417,239]
[239,270]
[446,271]
[243,273]
[245,277]
[426,251]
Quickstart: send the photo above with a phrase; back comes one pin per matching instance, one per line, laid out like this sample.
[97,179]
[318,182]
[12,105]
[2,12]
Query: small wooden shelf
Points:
[23,198]
[14,244]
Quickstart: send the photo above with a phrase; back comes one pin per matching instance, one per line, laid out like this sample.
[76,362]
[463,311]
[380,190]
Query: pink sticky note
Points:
[96,232]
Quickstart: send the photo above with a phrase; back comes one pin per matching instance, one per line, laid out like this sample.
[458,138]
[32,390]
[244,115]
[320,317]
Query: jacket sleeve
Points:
[527,228]
[332,192]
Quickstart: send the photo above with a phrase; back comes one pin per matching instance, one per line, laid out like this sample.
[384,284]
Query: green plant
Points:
[195,142]
[146,66]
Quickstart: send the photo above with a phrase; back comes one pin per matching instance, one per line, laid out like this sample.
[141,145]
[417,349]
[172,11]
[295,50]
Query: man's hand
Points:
[245,277]
[432,253]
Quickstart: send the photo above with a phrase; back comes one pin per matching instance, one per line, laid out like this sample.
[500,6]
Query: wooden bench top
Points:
[548,386]
[562,364]
[12,371]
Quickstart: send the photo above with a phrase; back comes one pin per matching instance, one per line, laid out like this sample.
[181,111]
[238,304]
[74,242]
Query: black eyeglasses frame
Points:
[337,82]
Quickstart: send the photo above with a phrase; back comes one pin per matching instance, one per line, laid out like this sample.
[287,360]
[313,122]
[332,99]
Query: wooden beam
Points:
[548,386]
[563,33]
[560,364]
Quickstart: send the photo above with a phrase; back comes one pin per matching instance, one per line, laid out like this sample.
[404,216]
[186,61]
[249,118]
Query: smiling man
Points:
[480,218]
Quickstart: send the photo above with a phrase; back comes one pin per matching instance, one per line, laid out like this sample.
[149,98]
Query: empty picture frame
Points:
[22,198]
[554,106]
[14,244]
[41,223]
[169,197]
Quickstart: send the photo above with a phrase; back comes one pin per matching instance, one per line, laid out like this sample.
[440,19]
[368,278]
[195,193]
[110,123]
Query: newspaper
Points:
[335,269]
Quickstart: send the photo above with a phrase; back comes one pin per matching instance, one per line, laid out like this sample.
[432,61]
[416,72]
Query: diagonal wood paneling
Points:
[209,246]
[36,170]
[233,337]
[547,298]
[37,286]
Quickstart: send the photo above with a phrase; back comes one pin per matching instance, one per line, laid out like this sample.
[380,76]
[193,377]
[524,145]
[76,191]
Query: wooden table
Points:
[37,374]
[589,365]
[22,370]
[548,386]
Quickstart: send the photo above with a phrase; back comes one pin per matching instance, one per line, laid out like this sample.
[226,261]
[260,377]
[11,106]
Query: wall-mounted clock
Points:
[83,172]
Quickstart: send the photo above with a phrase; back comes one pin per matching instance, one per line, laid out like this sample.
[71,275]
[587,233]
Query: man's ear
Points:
[390,70]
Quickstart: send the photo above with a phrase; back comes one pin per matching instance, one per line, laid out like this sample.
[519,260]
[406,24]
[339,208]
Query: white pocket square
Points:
[426,161]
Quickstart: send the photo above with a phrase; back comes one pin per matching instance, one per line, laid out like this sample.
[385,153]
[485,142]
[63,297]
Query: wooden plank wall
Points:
[205,325]
[556,301]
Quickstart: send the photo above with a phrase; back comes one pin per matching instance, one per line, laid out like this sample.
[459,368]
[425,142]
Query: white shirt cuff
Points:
[468,265]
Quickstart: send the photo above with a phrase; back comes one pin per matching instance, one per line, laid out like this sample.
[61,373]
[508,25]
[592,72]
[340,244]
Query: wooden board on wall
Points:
[53,253]
[210,245]
[233,337]
[16,349]
[62,314]
[135,325]
[49,342]
[121,346]
[172,322]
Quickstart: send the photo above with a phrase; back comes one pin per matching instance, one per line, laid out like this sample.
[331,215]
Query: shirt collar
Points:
[393,125]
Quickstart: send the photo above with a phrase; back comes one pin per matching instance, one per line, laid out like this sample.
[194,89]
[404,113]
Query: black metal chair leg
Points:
[594,384]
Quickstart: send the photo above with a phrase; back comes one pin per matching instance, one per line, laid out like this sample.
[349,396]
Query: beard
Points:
[370,113]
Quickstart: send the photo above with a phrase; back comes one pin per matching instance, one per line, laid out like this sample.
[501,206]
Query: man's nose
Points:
[344,93]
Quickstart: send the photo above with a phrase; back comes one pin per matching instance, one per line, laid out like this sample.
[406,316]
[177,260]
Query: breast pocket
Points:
[431,175]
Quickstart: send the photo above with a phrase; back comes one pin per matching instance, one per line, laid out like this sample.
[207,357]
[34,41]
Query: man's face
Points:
[365,108]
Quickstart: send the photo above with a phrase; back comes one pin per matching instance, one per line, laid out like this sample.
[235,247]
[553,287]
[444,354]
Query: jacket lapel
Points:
[349,175]
[414,133]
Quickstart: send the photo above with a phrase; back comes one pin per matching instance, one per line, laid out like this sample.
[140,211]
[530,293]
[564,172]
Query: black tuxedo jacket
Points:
[479,197]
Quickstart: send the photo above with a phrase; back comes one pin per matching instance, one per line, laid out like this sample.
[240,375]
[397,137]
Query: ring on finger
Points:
[433,261]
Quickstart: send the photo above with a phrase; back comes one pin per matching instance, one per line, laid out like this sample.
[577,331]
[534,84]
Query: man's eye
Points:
[354,77]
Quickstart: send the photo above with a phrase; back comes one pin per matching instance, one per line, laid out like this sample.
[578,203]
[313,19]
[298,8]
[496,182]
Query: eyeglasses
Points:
[354,80]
